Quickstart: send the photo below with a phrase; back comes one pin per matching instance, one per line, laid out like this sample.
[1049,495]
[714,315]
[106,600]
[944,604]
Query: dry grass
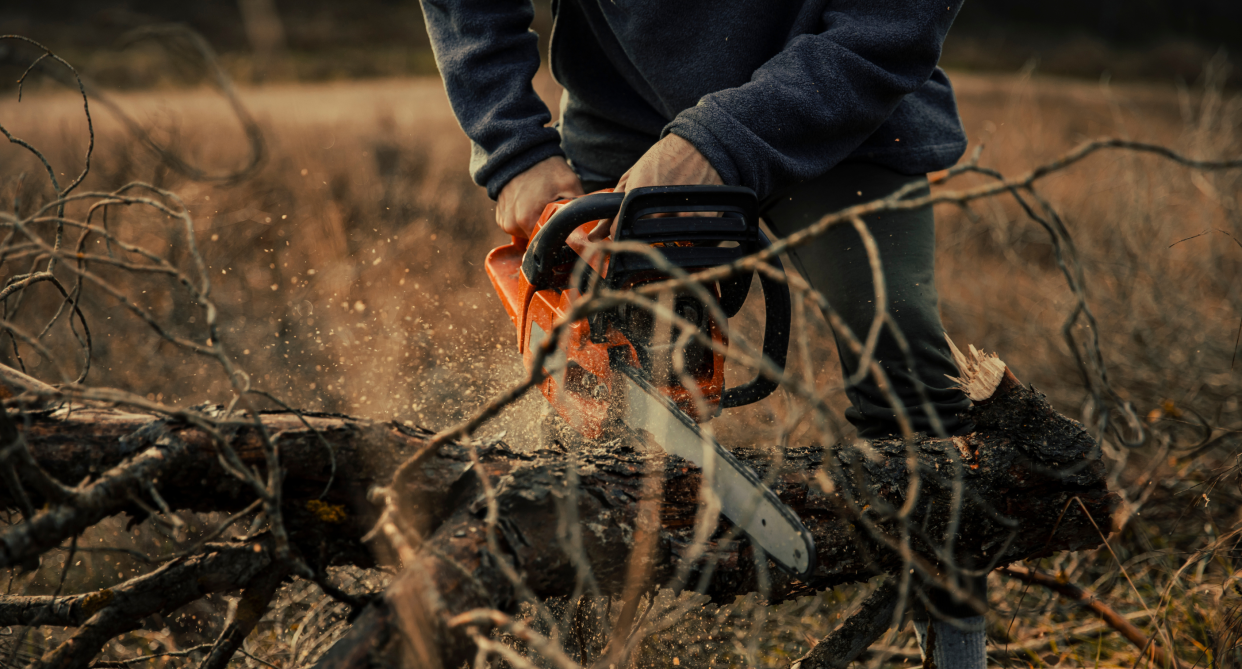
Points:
[349,272]
[345,264]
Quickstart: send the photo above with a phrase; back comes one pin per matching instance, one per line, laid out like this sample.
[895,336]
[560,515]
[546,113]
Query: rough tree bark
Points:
[1022,474]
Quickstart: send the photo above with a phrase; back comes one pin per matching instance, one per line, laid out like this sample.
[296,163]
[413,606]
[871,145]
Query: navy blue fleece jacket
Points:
[771,92]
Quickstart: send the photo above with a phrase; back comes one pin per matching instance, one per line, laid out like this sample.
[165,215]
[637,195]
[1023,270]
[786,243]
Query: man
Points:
[813,104]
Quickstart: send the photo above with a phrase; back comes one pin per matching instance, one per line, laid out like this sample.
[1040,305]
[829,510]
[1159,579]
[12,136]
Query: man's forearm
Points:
[488,56]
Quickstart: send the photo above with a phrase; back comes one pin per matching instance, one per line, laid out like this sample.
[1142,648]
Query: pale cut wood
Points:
[981,373]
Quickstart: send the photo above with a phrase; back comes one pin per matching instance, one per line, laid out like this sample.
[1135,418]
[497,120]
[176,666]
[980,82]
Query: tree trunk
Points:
[1028,479]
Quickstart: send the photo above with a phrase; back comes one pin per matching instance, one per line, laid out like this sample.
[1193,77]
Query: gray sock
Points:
[960,644]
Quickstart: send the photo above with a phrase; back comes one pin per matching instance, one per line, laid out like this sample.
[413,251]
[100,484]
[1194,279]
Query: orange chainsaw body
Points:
[580,369]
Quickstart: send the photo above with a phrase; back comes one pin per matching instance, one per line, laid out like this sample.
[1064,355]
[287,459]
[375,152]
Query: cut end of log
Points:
[983,375]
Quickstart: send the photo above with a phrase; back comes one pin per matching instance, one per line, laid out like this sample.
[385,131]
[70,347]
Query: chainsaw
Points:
[620,368]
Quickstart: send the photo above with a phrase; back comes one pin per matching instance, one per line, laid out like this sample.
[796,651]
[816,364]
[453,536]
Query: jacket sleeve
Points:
[488,55]
[815,102]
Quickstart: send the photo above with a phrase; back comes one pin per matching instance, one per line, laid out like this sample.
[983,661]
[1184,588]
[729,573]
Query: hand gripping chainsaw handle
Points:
[728,214]
[547,250]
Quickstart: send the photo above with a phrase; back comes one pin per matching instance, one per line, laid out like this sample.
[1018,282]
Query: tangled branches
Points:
[70,510]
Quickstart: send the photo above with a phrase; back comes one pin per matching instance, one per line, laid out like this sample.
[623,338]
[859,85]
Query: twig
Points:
[254,602]
[1091,602]
[121,664]
[847,642]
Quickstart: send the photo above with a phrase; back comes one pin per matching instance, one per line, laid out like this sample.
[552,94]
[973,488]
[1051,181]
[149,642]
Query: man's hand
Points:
[673,161]
[522,200]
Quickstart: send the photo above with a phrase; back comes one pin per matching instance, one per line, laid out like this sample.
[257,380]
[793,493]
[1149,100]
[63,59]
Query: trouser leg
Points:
[836,264]
[951,630]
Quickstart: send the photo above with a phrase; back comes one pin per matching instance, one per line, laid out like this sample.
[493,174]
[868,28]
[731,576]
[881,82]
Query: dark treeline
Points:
[1130,23]
[322,39]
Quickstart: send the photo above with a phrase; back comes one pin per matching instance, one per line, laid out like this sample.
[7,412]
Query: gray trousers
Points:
[836,265]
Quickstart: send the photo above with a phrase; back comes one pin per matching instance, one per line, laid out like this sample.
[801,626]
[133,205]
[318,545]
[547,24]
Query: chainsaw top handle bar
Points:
[734,218]
[730,214]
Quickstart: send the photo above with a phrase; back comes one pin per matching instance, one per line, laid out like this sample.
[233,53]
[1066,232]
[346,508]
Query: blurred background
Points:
[317,40]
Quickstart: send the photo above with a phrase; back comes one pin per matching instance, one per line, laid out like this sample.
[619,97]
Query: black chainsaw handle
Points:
[777,311]
[547,250]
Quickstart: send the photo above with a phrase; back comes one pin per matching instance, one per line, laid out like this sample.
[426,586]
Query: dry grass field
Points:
[349,275]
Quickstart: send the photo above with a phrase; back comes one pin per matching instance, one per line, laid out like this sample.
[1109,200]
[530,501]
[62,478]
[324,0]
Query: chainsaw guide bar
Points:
[744,499]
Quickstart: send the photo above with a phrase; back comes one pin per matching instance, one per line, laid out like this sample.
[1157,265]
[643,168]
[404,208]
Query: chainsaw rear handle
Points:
[777,310]
[547,250]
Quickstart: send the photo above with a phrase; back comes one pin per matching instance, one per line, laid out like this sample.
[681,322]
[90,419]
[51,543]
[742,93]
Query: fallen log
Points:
[330,463]
[1026,480]
[1014,478]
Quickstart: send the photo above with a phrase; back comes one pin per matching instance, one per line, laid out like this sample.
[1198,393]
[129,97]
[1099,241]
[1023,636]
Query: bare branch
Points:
[1088,600]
